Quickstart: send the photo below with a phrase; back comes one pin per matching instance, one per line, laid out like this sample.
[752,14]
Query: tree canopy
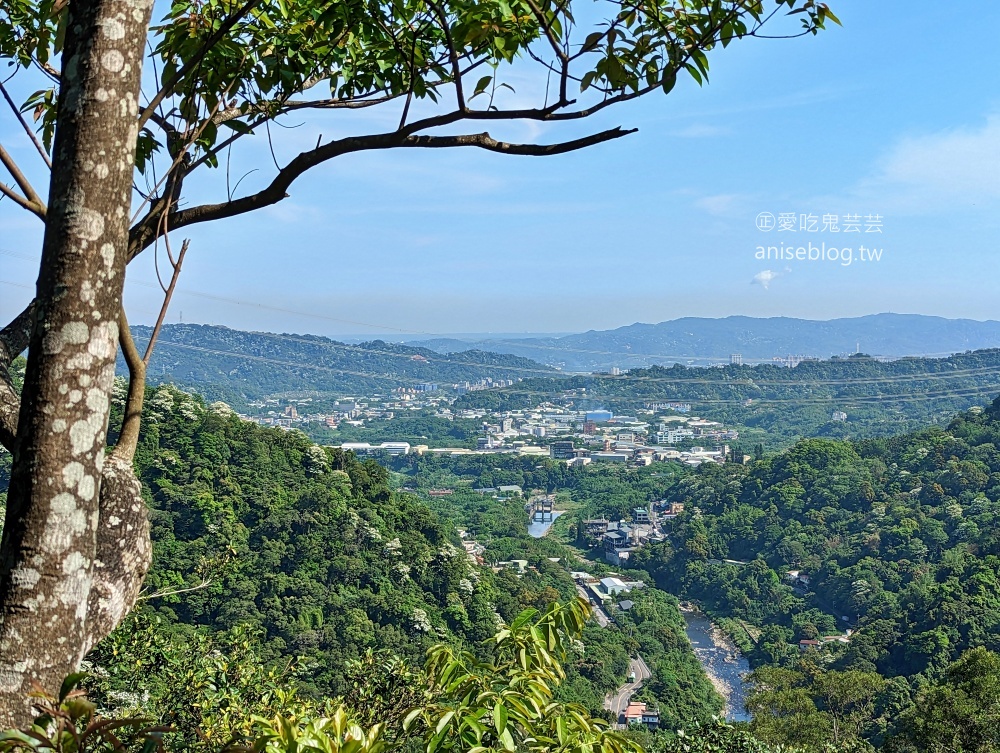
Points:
[123,146]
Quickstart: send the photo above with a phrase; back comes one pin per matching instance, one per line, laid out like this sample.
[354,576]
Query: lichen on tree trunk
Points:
[49,616]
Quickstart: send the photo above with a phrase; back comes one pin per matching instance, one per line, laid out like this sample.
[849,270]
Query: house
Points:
[609,457]
[640,515]
[615,540]
[807,644]
[638,713]
[651,719]
[521,566]
[633,714]
[835,639]
[798,579]
[619,557]
[612,586]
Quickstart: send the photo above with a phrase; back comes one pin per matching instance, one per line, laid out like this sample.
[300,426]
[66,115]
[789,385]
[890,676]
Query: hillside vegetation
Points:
[897,539]
[773,405]
[285,553]
[240,367]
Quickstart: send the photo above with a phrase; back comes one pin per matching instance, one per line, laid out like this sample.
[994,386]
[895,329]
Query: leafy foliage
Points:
[68,723]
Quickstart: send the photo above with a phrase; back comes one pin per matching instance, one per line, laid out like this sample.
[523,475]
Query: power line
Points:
[549,373]
[910,397]
[526,343]
[751,383]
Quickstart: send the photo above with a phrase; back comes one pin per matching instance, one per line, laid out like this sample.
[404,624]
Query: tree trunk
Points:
[49,547]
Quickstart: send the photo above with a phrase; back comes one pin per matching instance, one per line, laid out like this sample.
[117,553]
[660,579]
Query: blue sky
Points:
[897,114]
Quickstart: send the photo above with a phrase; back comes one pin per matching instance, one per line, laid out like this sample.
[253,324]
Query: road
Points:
[599,614]
[619,702]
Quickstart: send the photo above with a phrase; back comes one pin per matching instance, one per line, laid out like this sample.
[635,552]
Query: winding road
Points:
[619,702]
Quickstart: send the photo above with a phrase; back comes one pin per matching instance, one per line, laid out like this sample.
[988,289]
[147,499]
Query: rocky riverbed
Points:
[725,666]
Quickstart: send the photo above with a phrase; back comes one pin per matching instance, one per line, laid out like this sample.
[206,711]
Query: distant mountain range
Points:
[706,341]
[240,367]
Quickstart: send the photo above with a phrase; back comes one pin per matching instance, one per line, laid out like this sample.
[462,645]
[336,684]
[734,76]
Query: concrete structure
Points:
[609,457]
[389,448]
[612,586]
[562,450]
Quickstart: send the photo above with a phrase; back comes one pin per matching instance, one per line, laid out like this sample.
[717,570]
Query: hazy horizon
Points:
[669,222]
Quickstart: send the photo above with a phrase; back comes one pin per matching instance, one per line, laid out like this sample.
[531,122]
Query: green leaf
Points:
[70,683]
[238,125]
[825,12]
[443,721]
[507,740]
[409,718]
[481,84]
[500,718]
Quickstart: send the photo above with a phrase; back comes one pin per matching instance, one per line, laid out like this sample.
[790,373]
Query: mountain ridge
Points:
[708,340]
[239,366]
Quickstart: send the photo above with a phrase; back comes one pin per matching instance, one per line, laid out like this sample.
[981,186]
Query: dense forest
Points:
[893,539]
[284,570]
[286,555]
[775,405]
[894,543]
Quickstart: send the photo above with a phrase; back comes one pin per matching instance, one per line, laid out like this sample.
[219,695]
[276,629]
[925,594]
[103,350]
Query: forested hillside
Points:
[239,367]
[276,550]
[774,405]
[898,536]
[896,539]
[300,567]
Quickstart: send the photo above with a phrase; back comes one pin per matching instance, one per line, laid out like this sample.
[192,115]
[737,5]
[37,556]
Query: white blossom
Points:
[421,622]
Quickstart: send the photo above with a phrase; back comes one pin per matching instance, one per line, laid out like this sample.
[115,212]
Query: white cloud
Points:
[765,278]
[939,170]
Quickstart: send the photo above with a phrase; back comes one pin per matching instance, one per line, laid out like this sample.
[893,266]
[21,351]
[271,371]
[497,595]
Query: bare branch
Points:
[143,234]
[485,141]
[21,201]
[10,409]
[128,440]
[37,205]
[549,34]
[166,302]
[124,550]
[456,69]
[174,591]
[13,340]
[15,336]
[556,47]
[26,127]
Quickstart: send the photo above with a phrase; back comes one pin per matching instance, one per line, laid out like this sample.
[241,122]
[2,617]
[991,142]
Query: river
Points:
[537,528]
[723,664]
